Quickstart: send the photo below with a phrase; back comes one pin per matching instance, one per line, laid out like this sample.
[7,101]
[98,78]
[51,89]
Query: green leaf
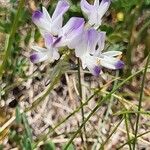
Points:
[28,145]
[27,127]
[18,115]
[49,145]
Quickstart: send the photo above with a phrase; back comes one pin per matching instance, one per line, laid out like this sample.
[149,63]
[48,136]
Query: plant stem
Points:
[11,38]
[131,140]
[98,105]
[80,98]
[127,129]
[109,136]
[140,101]
[110,103]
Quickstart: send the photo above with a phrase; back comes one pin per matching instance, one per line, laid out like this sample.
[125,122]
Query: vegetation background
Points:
[60,106]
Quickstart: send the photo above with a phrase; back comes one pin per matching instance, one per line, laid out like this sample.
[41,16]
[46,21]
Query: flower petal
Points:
[112,53]
[92,40]
[38,49]
[87,42]
[119,64]
[57,17]
[61,8]
[104,5]
[42,20]
[86,7]
[46,14]
[56,55]
[38,57]
[48,40]
[101,41]
[111,63]
[95,71]
[94,19]
[70,32]
[96,3]
[91,63]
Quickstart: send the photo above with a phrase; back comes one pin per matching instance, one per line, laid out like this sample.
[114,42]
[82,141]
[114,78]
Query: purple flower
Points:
[48,24]
[49,53]
[95,12]
[89,50]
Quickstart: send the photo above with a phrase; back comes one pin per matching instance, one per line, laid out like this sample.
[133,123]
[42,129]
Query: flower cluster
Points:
[84,38]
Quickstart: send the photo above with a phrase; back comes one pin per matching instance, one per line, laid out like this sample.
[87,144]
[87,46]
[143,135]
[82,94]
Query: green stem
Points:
[111,102]
[80,98]
[120,147]
[127,129]
[98,105]
[102,146]
[140,101]
[132,112]
[11,37]
[74,112]
[132,38]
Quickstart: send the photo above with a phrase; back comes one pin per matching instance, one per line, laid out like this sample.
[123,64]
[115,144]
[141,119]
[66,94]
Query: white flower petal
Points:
[104,5]
[61,8]
[57,17]
[112,53]
[56,55]
[96,3]
[86,7]
[46,14]
[39,49]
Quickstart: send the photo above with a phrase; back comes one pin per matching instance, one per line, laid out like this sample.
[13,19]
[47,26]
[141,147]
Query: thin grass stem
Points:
[80,98]
[140,101]
[109,136]
[97,107]
[127,130]
[11,38]
[131,140]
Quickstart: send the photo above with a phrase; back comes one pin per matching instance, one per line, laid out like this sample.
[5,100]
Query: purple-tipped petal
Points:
[96,70]
[104,5]
[110,62]
[86,7]
[105,1]
[57,17]
[60,9]
[34,58]
[39,57]
[72,25]
[71,31]
[42,20]
[37,15]
[119,64]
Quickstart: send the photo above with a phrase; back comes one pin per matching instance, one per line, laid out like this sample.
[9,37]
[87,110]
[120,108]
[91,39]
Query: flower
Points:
[67,36]
[84,50]
[48,53]
[48,24]
[69,33]
[89,50]
[95,12]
